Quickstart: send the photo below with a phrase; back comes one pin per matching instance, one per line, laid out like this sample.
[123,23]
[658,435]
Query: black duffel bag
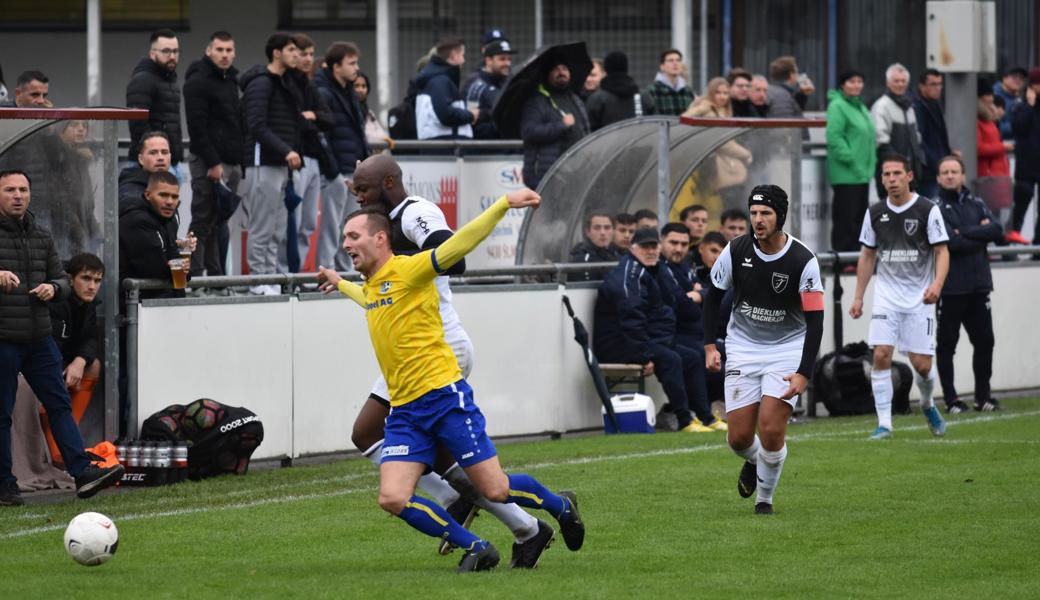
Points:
[221,439]
[841,380]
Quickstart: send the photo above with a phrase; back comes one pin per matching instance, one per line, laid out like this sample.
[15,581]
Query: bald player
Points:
[418,224]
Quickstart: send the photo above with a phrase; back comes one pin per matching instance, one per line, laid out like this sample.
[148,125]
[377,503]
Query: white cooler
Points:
[635,413]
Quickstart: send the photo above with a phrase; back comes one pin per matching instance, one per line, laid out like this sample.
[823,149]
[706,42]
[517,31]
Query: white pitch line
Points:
[570,462]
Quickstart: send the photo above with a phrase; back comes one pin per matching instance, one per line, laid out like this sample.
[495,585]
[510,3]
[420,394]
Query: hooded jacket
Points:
[28,251]
[146,242]
[851,140]
[631,313]
[272,118]
[669,100]
[347,135]
[154,88]
[133,180]
[440,111]
[963,214]
[617,99]
[214,113]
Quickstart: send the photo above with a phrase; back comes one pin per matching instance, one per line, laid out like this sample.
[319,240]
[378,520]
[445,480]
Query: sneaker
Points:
[526,554]
[573,530]
[484,558]
[9,496]
[696,427]
[956,407]
[988,406]
[881,433]
[748,480]
[93,479]
[257,290]
[717,413]
[764,508]
[718,425]
[463,511]
[1014,237]
[935,421]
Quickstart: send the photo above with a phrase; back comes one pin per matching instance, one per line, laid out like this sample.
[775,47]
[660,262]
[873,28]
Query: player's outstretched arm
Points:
[329,280]
[864,271]
[469,236]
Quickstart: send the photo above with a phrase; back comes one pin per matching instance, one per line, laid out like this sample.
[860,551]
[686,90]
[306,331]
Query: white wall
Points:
[306,365]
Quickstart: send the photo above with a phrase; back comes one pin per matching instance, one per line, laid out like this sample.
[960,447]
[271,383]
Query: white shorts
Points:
[749,378]
[910,332]
[461,346]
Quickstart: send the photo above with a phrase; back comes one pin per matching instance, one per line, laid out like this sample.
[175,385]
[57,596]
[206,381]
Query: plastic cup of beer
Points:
[179,273]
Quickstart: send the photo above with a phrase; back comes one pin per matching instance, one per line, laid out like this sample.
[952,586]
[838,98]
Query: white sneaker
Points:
[273,290]
[258,290]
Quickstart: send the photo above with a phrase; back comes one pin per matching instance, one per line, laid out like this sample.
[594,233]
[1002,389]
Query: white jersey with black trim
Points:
[904,237]
[416,218]
[767,319]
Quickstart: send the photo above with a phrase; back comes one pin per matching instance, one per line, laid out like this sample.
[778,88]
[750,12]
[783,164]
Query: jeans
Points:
[973,311]
[41,365]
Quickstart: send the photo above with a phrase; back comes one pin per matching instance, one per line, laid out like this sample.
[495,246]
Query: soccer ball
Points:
[91,538]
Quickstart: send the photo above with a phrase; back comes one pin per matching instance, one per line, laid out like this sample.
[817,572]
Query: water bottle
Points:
[180,461]
[121,451]
[133,463]
[162,463]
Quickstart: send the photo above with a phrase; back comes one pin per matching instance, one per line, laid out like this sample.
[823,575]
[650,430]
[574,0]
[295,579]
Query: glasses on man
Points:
[169,51]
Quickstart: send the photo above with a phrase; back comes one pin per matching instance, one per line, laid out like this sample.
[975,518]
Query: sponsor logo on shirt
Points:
[733,372]
[762,315]
[899,256]
[910,226]
[385,287]
[884,217]
[394,451]
[378,303]
[780,281]
[747,262]
[421,222]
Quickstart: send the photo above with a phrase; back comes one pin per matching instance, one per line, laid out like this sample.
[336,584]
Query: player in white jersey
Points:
[418,224]
[905,236]
[772,339]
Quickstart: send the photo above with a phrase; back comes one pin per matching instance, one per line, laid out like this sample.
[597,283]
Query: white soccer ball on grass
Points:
[91,538]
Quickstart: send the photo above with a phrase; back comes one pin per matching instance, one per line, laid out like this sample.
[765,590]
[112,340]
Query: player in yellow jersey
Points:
[431,402]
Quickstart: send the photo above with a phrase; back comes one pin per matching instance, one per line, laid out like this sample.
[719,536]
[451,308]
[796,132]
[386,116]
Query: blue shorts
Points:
[445,416]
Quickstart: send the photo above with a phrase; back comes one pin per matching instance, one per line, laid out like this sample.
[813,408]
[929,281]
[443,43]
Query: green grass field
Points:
[913,517]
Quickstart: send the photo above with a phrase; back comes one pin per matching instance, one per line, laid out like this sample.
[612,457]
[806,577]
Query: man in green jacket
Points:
[851,158]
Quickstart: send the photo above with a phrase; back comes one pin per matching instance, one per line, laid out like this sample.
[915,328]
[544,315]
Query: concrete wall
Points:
[305,365]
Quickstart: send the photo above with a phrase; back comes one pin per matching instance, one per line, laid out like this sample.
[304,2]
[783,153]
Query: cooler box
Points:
[635,413]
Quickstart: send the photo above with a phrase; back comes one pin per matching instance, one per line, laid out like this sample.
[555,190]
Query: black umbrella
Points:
[581,335]
[525,81]
[292,249]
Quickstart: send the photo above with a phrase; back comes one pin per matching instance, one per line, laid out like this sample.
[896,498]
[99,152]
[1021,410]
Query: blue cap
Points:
[492,35]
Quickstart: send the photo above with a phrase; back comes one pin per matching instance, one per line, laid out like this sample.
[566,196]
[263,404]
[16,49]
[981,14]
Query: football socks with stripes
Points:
[523,525]
[434,521]
[527,492]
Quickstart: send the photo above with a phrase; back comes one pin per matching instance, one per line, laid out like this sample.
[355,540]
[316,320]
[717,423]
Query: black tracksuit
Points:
[965,295]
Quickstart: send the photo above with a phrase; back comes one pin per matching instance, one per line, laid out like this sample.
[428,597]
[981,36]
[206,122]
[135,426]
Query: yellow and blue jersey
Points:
[402,307]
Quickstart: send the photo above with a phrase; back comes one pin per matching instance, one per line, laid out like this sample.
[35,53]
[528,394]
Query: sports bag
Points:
[221,439]
[841,380]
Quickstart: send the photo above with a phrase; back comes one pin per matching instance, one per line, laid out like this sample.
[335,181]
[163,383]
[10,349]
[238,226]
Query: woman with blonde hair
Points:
[714,103]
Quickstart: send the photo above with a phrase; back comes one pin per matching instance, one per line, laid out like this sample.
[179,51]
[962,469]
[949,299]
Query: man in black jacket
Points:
[30,277]
[315,118]
[215,128]
[599,232]
[153,157]
[618,96]
[635,324]
[552,121]
[440,112]
[931,124]
[148,234]
[483,89]
[274,144]
[965,295]
[75,330]
[153,86]
[348,145]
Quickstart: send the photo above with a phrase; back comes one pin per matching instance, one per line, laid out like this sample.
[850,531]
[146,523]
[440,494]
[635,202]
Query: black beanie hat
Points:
[847,75]
[772,196]
[615,62]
